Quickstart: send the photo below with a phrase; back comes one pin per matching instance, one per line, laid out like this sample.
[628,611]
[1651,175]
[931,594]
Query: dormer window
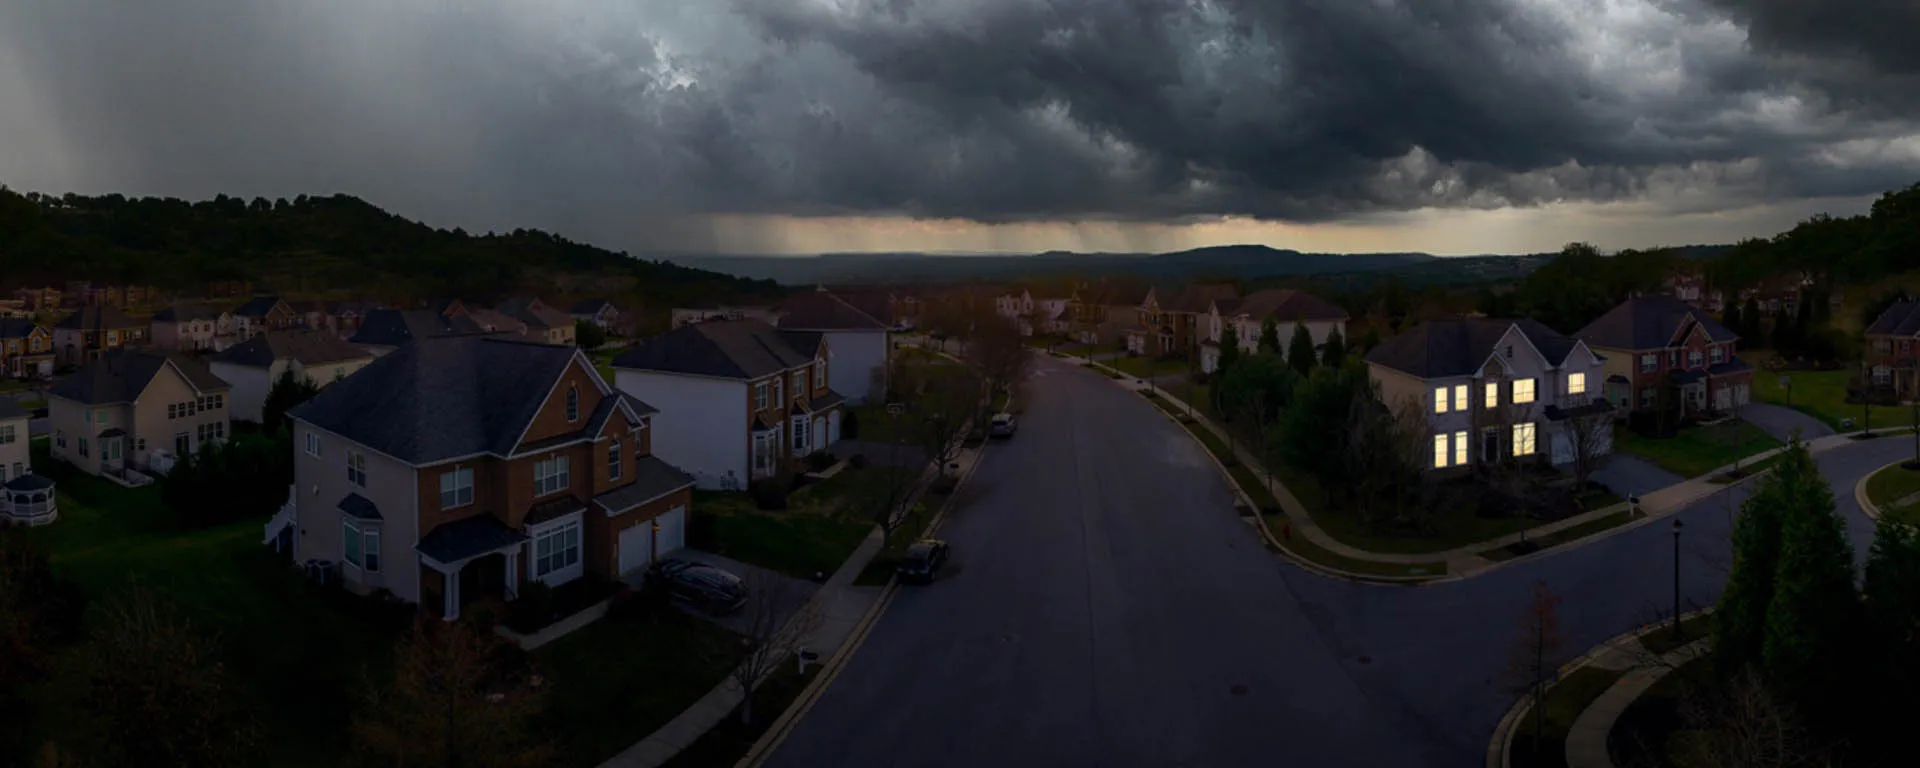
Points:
[819,374]
[573,402]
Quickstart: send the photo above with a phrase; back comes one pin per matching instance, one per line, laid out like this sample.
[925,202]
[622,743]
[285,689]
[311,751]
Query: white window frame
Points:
[760,396]
[1493,395]
[766,453]
[573,403]
[1522,391]
[6,434]
[1440,451]
[1716,354]
[613,459]
[366,535]
[314,448]
[799,383]
[801,436]
[551,476]
[1460,446]
[357,469]
[1695,359]
[779,392]
[451,485]
[1460,397]
[557,549]
[1576,383]
[819,374]
[1524,434]
[1649,362]
[1440,400]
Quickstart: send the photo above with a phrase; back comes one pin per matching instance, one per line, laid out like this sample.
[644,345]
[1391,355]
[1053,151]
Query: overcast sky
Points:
[1447,126]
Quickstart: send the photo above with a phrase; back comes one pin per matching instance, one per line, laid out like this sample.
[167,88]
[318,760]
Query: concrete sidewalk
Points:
[1587,739]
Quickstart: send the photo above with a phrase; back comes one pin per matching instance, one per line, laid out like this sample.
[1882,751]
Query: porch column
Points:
[513,573]
[451,594]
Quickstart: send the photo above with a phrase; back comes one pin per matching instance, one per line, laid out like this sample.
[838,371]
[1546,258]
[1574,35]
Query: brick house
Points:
[261,314]
[91,331]
[453,470]
[1650,341]
[1103,311]
[1893,349]
[26,348]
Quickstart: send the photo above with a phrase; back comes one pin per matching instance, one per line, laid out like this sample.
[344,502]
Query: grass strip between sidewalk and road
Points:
[1562,705]
[1889,486]
[1660,641]
[1562,536]
[1255,487]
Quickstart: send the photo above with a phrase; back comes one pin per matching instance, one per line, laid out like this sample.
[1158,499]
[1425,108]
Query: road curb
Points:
[802,704]
[1500,746]
[1867,507]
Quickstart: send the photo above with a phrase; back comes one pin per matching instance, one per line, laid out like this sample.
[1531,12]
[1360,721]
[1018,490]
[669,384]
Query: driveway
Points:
[1109,608]
[1781,421]
[786,593]
[1628,475]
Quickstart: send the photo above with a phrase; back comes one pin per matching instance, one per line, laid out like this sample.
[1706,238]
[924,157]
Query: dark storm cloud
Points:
[1879,33]
[615,118]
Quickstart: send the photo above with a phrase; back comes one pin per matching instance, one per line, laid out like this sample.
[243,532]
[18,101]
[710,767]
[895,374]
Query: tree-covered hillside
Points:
[318,245]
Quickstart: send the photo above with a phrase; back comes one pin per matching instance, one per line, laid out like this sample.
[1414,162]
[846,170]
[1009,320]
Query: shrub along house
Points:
[1651,342]
[742,400]
[454,470]
[1492,390]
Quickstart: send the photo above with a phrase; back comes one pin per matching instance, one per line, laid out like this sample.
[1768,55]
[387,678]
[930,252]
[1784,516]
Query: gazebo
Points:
[28,500]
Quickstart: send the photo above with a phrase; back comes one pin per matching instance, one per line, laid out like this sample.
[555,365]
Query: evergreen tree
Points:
[1300,350]
[288,391]
[1752,318]
[1811,622]
[1732,319]
[1739,621]
[1782,331]
[1803,319]
[1893,610]
[1229,350]
[1335,350]
[1269,337]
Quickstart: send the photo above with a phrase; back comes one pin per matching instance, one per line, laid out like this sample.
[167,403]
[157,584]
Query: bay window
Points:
[360,544]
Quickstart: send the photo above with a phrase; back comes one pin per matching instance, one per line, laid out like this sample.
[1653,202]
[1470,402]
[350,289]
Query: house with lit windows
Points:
[740,400]
[453,470]
[1493,390]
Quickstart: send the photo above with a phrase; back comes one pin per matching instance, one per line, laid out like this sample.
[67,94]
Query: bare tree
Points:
[1539,640]
[884,494]
[944,412]
[1742,725]
[452,702]
[1590,435]
[996,350]
[775,623]
[157,687]
[1386,451]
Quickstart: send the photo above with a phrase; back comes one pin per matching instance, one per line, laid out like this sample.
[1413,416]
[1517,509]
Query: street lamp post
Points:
[1677,525]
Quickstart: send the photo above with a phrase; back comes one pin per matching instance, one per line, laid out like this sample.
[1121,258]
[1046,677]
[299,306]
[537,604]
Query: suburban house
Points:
[544,323]
[43,299]
[252,366]
[119,412]
[1649,341]
[344,317]
[25,498]
[309,314]
[859,341]
[742,400]
[455,469]
[385,330]
[90,331]
[1102,311]
[261,314]
[495,321]
[1892,359]
[1492,390]
[192,328]
[701,312]
[26,348]
[1174,327]
[600,312]
[897,306]
[1248,318]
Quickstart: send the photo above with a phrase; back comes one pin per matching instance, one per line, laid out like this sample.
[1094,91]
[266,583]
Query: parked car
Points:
[922,561]
[1003,425]
[705,587]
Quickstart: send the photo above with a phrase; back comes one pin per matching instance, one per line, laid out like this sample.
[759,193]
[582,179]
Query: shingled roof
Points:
[400,327]
[1650,322]
[121,375]
[308,347]
[823,311]
[444,398]
[1199,298]
[97,318]
[187,312]
[1443,348]
[16,327]
[1284,305]
[257,306]
[1902,318]
[732,349]
[535,313]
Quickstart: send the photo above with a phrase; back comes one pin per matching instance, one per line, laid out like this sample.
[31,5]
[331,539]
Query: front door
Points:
[1490,444]
[182,445]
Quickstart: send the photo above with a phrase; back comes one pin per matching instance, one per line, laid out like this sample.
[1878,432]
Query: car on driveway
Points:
[1003,425]
[922,561]
[705,587]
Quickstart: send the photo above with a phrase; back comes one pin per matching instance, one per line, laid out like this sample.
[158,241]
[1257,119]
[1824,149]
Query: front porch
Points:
[467,562]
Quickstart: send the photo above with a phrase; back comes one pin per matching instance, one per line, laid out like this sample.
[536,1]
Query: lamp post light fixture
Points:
[1677,525]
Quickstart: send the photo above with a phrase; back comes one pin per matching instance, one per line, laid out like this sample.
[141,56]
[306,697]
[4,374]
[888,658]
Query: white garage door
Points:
[1723,399]
[634,544]
[833,426]
[673,531]
[819,434]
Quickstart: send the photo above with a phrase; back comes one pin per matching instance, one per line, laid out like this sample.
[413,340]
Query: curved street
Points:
[1109,608]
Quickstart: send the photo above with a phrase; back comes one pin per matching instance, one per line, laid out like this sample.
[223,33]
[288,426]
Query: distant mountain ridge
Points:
[1225,261]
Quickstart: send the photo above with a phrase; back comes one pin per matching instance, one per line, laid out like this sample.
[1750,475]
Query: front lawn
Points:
[814,534]
[1892,485]
[1820,394]
[603,360]
[621,678]
[1697,450]
[297,652]
[1148,367]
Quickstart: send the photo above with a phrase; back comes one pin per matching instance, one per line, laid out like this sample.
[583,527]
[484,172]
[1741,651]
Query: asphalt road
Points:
[1110,609]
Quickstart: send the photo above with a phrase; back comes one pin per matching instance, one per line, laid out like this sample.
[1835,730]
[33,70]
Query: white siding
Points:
[318,486]
[856,359]
[702,423]
[250,387]
[15,453]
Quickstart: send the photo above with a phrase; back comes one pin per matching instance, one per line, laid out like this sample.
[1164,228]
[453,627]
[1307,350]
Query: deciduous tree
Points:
[455,700]
[588,335]
[158,691]
[774,625]
[1300,349]
[942,414]
[1533,661]
[998,353]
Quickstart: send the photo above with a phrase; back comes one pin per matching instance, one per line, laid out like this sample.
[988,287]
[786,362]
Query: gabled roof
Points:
[1443,348]
[1199,298]
[16,327]
[592,307]
[1285,305]
[732,349]
[444,398]
[1650,322]
[1902,318]
[652,479]
[823,311]
[121,375]
[97,318]
[351,307]
[257,306]
[400,327]
[1114,294]
[187,312]
[877,303]
[467,537]
[494,320]
[308,347]
[10,410]
[535,313]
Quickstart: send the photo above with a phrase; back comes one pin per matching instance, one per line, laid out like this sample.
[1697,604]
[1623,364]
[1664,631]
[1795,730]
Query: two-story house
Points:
[43,299]
[453,470]
[192,328]
[1893,349]
[741,400]
[91,331]
[253,366]
[1493,390]
[114,414]
[26,348]
[1103,311]
[543,322]
[261,314]
[1655,341]
[602,313]
[25,498]
[859,341]
[1248,317]
[1190,315]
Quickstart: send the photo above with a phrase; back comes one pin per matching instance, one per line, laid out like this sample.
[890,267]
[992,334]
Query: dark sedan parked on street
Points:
[922,561]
